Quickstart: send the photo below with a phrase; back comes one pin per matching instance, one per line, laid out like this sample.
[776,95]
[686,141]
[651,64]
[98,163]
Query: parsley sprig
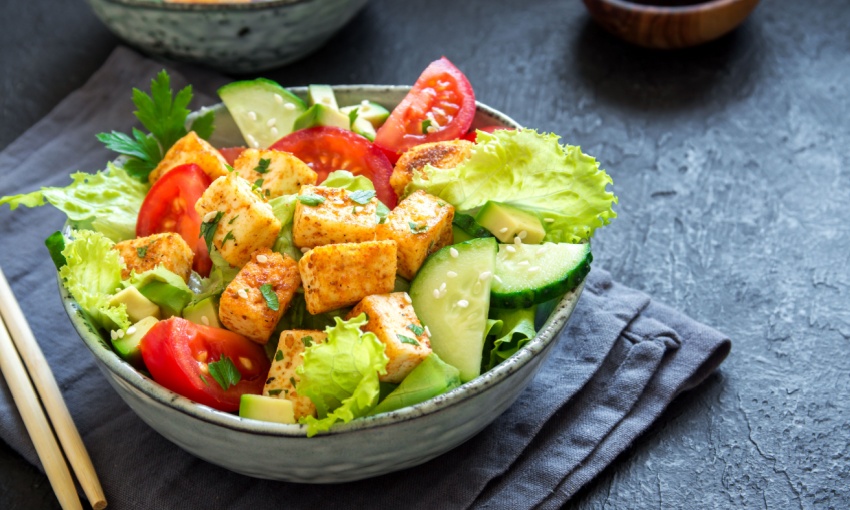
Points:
[225,372]
[164,115]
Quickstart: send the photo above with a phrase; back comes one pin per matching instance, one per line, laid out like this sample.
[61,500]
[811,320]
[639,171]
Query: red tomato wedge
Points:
[440,106]
[231,154]
[178,354]
[326,149]
[472,136]
[170,207]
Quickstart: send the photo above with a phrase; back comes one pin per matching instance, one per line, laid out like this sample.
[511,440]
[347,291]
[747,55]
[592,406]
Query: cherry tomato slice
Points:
[231,154]
[472,136]
[440,106]
[177,353]
[170,207]
[326,149]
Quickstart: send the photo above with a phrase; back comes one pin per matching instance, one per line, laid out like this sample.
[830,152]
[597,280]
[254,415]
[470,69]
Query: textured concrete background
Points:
[732,164]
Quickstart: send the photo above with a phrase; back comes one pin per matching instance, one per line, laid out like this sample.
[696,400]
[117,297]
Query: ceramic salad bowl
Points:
[363,448]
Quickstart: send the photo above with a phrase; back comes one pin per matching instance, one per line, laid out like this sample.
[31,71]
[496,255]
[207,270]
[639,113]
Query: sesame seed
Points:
[253,141]
[496,277]
[357,208]
[437,294]
[204,320]
[131,330]
[406,298]
[246,362]
[533,269]
[517,240]
[522,234]
[463,303]
[274,131]
[271,122]
[484,276]
[252,115]
[262,259]
[453,252]
[451,274]
[278,99]
[208,217]
[241,293]
[113,334]
[326,100]
[305,249]
[522,263]
[442,286]
[510,249]
[120,333]
[503,230]
[289,106]
[549,220]
[364,103]
[427,331]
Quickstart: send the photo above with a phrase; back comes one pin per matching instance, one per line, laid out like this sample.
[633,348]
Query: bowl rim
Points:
[204,6]
[700,6]
[547,334]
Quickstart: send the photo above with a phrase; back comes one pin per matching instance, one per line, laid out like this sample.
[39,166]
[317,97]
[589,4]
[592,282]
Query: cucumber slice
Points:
[323,95]
[263,110]
[529,274]
[451,295]
[367,110]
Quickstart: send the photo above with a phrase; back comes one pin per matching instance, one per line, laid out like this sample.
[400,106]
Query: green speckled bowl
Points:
[231,37]
[363,448]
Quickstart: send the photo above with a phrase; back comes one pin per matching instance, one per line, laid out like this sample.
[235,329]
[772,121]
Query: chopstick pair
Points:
[20,379]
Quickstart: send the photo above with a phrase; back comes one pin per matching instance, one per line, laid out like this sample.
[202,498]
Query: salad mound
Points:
[347,260]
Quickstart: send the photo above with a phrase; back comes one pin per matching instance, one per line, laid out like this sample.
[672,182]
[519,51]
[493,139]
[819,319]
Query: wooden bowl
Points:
[669,24]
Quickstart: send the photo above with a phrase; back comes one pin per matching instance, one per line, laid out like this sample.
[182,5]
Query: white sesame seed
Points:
[406,298]
[522,263]
[113,334]
[241,293]
[496,277]
[485,275]
[517,240]
[463,303]
[477,288]
[252,115]
[364,103]
[278,99]
[437,294]
[274,131]
[246,362]
[427,331]
[271,122]
[204,320]
[120,333]
[522,234]
[208,217]
[262,259]
[357,208]
[453,252]
[533,269]
[326,100]
[451,274]
[131,330]
[503,230]
[432,128]
[549,220]
[253,141]
[442,286]
[305,249]
[510,249]
[289,106]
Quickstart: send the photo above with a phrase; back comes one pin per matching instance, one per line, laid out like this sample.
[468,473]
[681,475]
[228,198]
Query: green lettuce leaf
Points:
[430,378]
[92,274]
[513,329]
[107,202]
[283,207]
[533,172]
[340,375]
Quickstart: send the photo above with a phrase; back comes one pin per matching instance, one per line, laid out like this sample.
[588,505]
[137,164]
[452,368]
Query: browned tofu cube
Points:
[282,381]
[338,275]
[246,223]
[333,218]
[446,154]
[276,173]
[421,224]
[393,320]
[191,149]
[145,253]
[248,304]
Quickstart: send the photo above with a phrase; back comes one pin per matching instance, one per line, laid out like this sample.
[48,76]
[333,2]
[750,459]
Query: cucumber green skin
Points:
[530,297]
[468,224]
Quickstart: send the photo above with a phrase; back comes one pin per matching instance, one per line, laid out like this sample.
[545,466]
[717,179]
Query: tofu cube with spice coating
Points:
[243,222]
[191,149]
[393,320]
[338,275]
[145,253]
[282,381]
[253,303]
[444,154]
[421,224]
[276,173]
[330,215]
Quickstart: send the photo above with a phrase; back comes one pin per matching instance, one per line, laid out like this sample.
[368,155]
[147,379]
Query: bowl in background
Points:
[363,448]
[669,24]
[234,37]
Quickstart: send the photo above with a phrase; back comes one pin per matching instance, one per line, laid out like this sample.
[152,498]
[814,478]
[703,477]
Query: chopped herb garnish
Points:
[274,393]
[225,372]
[269,295]
[263,166]
[425,125]
[208,229]
[362,196]
[417,229]
[352,116]
[228,236]
[270,380]
[278,356]
[258,183]
[267,193]
[307,341]
[407,340]
[292,381]
[228,167]
[204,379]
[232,220]
[142,251]
[417,329]
[382,211]
[311,199]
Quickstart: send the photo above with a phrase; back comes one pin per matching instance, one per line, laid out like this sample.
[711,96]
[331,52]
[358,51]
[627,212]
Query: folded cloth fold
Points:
[619,362]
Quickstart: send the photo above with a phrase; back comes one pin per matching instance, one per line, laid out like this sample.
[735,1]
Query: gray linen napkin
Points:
[620,361]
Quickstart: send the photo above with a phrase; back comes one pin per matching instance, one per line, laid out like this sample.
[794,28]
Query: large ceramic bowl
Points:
[363,448]
[236,37]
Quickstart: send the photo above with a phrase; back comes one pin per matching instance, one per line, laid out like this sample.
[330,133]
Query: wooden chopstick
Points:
[27,401]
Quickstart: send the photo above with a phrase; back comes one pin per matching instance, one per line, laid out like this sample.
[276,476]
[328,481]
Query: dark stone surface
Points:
[732,166]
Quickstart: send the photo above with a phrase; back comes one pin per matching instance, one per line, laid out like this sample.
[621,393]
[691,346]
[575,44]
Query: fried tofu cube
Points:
[332,218]
[145,253]
[421,224]
[282,381]
[338,275]
[276,172]
[191,149]
[393,320]
[253,303]
[246,223]
[446,154]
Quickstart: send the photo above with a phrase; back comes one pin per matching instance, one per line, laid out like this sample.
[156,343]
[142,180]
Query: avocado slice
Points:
[164,288]
[507,222]
[265,408]
[204,312]
[127,345]
[322,115]
[138,306]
